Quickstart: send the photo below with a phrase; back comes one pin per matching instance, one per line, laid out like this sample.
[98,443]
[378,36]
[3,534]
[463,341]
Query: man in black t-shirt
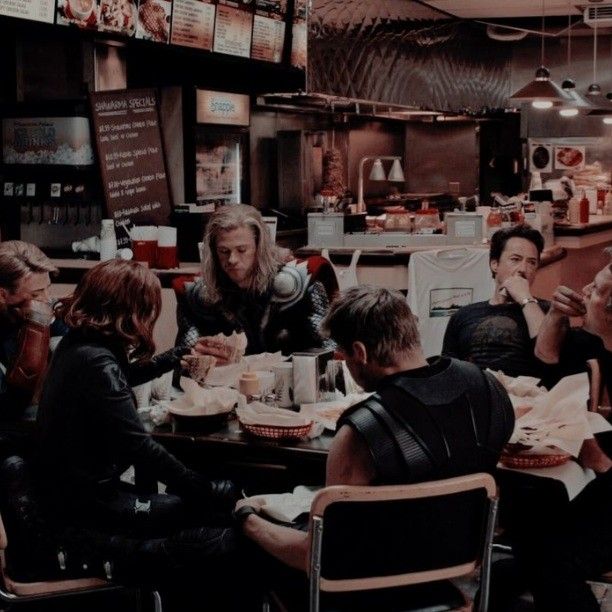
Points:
[500,334]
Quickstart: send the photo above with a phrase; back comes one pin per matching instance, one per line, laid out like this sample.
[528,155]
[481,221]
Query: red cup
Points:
[167,257]
[145,251]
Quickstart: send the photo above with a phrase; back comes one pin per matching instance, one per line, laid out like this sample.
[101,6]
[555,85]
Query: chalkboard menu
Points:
[128,138]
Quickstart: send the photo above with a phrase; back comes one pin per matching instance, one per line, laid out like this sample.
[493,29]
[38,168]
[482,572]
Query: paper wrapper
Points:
[203,402]
[257,413]
[228,375]
[200,367]
[237,342]
[328,413]
[286,507]
[557,418]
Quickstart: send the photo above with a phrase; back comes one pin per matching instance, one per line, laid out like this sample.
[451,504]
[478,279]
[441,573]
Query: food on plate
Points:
[540,157]
[569,156]
[118,15]
[153,19]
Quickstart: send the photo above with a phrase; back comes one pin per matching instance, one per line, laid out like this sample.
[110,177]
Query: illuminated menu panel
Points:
[299,40]
[34,10]
[193,24]
[233,29]
[269,30]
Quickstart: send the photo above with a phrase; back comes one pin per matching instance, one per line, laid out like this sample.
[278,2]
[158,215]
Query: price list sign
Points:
[193,23]
[128,138]
[269,30]
[233,29]
[34,10]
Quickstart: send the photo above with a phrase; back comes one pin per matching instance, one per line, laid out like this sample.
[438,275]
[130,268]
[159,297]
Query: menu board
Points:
[34,10]
[193,23]
[269,30]
[154,20]
[233,29]
[128,138]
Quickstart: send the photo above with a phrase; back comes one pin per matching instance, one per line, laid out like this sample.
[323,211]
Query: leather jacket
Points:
[90,432]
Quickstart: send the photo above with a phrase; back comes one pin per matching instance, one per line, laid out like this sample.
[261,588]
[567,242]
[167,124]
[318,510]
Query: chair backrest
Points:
[595,384]
[386,536]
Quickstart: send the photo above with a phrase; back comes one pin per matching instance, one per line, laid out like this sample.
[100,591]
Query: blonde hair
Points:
[268,258]
[19,259]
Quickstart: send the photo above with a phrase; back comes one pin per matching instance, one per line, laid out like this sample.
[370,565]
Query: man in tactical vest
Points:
[425,421]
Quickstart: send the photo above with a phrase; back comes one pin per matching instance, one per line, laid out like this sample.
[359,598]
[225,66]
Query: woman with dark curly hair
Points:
[90,434]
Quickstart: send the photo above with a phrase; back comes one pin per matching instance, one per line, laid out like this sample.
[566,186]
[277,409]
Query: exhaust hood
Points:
[330,104]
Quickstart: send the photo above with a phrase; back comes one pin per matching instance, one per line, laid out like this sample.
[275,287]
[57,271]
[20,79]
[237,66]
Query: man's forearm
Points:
[288,545]
[534,316]
[551,336]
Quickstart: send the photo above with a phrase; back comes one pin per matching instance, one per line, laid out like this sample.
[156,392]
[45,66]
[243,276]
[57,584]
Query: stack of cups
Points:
[144,244]
[167,256]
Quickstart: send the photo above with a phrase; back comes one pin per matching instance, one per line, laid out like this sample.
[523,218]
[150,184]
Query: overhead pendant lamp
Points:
[568,83]
[594,89]
[541,92]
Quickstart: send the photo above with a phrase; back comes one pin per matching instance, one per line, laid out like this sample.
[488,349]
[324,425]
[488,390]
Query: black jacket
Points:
[89,429]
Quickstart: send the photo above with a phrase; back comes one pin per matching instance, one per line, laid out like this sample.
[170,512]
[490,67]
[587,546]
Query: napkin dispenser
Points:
[309,375]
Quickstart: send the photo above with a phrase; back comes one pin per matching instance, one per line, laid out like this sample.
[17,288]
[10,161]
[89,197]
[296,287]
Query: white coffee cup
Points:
[283,384]
[267,381]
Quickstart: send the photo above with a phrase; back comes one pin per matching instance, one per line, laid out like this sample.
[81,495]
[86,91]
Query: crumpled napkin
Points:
[328,413]
[558,418]
[257,413]
[519,388]
[286,507]
[202,402]
[228,375]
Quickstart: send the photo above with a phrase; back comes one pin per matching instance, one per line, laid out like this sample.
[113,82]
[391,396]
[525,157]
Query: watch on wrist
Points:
[528,300]
[240,514]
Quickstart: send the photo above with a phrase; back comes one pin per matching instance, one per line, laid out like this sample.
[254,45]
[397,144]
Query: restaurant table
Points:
[257,464]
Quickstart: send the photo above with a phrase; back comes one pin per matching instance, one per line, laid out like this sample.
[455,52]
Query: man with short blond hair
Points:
[25,320]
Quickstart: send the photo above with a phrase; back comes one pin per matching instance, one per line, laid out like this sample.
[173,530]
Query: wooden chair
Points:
[397,547]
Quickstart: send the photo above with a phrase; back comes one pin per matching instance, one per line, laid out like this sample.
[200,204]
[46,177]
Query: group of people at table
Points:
[428,418]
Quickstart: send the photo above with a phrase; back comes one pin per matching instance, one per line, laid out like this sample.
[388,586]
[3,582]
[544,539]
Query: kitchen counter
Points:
[598,231]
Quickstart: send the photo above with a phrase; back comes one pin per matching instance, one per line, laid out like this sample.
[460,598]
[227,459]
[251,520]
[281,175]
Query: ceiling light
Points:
[568,112]
[594,89]
[541,92]
[568,82]
[542,104]
[607,120]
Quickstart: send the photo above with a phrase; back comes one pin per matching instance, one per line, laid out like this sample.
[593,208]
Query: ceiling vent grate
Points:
[600,15]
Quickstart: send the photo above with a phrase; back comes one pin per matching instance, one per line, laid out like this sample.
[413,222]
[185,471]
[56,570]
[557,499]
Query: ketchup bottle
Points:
[584,209]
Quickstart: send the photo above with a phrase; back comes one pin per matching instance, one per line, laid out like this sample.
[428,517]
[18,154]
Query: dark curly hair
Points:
[501,237]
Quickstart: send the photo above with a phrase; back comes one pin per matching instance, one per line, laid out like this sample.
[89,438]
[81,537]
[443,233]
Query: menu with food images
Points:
[193,23]
[82,13]
[269,30]
[569,158]
[233,28]
[154,20]
[129,143]
[34,10]
[120,16]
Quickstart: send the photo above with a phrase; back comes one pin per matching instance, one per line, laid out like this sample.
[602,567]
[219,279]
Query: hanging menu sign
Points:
[233,28]
[193,23]
[34,10]
[128,138]
[299,35]
[269,30]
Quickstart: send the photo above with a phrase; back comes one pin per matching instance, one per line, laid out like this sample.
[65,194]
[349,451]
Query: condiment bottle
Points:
[584,209]
[607,209]
[108,240]
[249,385]
[494,221]
[573,210]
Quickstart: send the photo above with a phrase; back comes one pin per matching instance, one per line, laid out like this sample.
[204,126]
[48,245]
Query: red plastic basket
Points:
[277,432]
[519,461]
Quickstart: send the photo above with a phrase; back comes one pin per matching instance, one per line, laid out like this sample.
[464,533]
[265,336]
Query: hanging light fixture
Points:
[541,92]
[594,89]
[568,82]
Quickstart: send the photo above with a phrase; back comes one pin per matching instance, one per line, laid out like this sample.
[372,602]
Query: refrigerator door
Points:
[221,166]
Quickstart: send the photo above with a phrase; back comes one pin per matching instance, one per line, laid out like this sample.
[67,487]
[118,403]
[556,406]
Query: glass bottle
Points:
[494,221]
[108,240]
